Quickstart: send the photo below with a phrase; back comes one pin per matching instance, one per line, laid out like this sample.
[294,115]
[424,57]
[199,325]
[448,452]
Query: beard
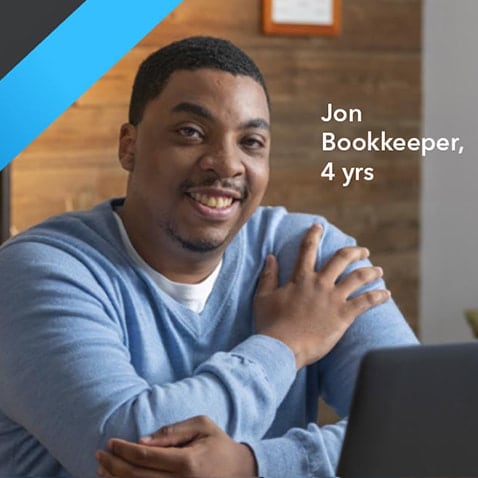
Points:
[193,245]
[200,245]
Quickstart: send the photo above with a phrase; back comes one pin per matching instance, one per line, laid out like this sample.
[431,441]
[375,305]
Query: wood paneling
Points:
[373,65]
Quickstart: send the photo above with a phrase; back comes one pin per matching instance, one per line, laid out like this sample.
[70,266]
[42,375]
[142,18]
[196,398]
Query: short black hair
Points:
[188,54]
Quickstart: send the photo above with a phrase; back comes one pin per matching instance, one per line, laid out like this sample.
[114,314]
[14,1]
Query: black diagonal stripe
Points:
[25,23]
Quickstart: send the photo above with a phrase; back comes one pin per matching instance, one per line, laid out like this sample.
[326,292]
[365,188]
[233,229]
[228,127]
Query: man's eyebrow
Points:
[194,108]
[257,123]
[199,110]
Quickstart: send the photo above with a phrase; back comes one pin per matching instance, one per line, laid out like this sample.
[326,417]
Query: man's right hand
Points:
[312,311]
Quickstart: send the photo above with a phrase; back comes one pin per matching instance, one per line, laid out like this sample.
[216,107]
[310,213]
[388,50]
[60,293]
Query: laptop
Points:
[414,414]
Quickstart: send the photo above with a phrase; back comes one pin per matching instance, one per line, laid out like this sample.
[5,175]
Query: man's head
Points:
[189,54]
[197,150]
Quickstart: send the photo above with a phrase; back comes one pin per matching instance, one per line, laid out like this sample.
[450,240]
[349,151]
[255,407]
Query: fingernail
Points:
[100,471]
[146,439]
[269,260]
[317,226]
[379,270]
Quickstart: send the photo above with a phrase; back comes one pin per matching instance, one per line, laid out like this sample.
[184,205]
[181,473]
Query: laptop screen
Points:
[414,414]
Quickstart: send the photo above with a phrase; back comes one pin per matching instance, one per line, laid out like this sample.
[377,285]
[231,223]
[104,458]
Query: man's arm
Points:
[70,380]
[314,451]
[199,448]
[194,448]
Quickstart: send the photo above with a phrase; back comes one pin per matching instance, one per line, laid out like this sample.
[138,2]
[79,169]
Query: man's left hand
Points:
[196,447]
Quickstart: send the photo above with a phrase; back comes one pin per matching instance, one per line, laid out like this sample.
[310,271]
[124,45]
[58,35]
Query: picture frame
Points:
[301,17]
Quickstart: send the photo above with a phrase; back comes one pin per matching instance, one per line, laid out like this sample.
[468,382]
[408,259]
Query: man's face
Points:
[199,159]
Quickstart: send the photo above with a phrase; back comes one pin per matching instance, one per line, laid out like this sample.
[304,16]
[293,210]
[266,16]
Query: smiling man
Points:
[183,329]
[198,158]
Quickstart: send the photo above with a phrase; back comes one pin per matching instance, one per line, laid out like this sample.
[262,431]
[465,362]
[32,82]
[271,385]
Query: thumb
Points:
[269,279]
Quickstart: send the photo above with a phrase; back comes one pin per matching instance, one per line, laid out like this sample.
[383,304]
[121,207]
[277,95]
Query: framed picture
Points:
[301,17]
[4,204]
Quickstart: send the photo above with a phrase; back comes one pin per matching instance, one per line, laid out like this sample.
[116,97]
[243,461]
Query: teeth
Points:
[212,201]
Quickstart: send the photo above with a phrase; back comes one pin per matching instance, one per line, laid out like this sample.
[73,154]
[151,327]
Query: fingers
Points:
[126,458]
[180,433]
[336,266]
[269,279]
[124,454]
[308,253]
[111,466]
[358,278]
[365,301]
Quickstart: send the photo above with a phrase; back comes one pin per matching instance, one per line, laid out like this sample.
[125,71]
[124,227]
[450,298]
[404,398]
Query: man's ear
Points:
[127,146]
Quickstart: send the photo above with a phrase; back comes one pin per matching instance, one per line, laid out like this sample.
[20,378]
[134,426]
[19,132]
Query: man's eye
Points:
[190,132]
[253,143]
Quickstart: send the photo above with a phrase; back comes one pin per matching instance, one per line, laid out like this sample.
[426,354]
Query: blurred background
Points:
[407,64]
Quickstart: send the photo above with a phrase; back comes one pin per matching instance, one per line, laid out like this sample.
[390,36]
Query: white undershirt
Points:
[192,296]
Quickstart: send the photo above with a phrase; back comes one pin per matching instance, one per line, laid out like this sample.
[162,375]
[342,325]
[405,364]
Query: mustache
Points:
[226,183]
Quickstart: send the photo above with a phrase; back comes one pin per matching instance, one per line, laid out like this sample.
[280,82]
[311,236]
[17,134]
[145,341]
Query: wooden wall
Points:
[373,65]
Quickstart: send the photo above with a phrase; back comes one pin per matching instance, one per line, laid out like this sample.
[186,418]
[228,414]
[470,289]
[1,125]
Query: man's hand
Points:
[312,311]
[196,447]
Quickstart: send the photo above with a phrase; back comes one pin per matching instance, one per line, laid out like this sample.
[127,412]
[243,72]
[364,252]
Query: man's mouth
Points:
[214,202]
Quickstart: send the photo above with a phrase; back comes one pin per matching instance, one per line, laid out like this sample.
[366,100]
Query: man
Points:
[185,308]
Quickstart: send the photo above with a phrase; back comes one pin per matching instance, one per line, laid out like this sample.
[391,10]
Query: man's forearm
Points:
[308,453]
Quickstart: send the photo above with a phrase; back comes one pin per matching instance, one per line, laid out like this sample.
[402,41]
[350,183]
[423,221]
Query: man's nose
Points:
[224,159]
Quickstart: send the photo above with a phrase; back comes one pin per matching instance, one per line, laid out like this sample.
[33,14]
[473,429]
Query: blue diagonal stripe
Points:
[67,62]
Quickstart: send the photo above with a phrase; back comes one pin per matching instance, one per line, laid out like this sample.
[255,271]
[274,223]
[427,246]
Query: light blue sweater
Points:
[91,349]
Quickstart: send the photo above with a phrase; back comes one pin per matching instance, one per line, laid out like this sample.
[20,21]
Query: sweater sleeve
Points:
[309,453]
[67,378]
[314,452]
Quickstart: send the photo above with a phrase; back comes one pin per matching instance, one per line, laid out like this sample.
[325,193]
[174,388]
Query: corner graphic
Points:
[67,62]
